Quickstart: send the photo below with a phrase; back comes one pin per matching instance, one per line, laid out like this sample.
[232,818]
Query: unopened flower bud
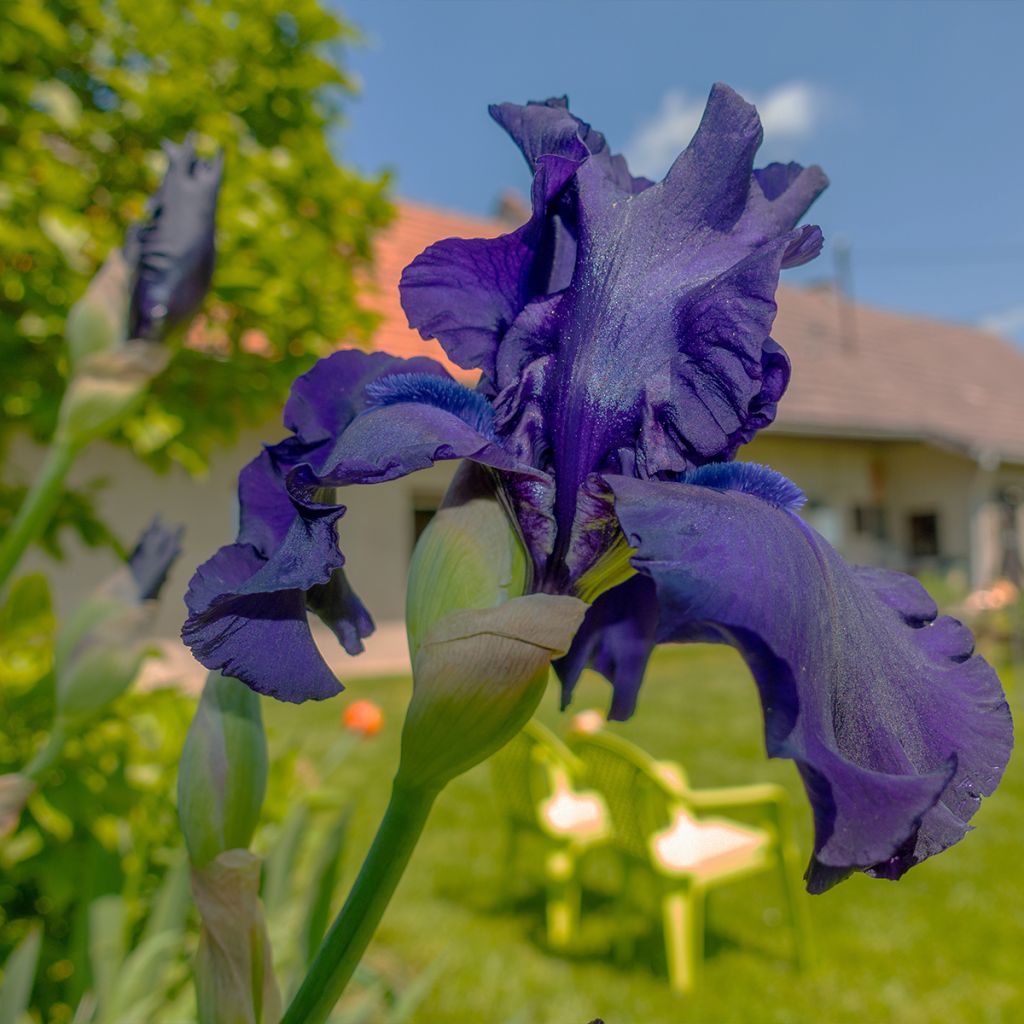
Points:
[101,648]
[469,556]
[143,292]
[480,649]
[106,386]
[223,773]
[477,679]
[172,252]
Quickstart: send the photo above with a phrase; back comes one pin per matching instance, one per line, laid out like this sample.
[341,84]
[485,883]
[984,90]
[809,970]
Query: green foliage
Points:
[18,977]
[941,945]
[102,827]
[88,89]
[27,632]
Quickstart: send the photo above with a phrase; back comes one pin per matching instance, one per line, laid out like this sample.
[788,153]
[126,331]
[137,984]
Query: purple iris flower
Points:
[623,339]
[172,252]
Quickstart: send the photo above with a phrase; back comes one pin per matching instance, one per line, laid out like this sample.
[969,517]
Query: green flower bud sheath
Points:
[481,653]
[223,773]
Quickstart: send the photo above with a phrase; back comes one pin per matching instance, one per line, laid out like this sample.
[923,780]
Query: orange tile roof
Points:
[857,371]
[413,229]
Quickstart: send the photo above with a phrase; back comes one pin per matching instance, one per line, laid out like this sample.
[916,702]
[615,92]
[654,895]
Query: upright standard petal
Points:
[648,352]
[897,729]
[677,285]
[468,292]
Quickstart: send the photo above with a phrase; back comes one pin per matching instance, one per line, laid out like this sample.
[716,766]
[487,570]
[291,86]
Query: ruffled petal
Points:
[286,559]
[677,285]
[548,128]
[391,424]
[410,430]
[466,293]
[896,728]
[616,639]
[261,637]
[267,514]
[327,398]
[338,607]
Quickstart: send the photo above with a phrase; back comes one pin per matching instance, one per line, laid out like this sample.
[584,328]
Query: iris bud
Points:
[223,773]
[100,650]
[469,556]
[142,293]
[480,649]
[477,679]
[106,387]
[222,779]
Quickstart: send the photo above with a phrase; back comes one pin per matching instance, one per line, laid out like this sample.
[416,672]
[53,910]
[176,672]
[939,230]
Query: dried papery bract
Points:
[234,972]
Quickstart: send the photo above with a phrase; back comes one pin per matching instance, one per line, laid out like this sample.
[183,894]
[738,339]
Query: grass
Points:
[945,944]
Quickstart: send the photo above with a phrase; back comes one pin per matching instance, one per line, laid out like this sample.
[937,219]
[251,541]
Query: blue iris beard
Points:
[749,478]
[444,393]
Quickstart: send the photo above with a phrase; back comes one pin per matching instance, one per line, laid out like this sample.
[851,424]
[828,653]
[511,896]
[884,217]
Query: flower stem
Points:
[37,508]
[354,926]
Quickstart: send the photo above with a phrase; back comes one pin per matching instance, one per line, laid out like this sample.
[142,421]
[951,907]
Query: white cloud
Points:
[1009,322]
[789,111]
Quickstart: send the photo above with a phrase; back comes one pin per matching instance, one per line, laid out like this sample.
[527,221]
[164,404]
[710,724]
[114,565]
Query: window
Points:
[826,520]
[924,535]
[424,506]
[870,521]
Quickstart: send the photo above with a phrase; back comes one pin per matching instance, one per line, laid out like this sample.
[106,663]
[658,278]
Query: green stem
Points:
[354,926]
[37,508]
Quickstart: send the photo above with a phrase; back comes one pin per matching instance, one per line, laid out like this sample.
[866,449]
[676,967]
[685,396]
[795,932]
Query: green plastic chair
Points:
[663,829]
[536,779]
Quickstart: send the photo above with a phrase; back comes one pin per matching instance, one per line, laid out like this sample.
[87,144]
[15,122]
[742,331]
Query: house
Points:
[906,434]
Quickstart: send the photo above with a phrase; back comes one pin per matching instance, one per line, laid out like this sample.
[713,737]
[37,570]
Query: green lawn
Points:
[945,944]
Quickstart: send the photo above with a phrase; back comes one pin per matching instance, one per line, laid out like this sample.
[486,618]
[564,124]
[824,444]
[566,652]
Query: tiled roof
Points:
[857,371]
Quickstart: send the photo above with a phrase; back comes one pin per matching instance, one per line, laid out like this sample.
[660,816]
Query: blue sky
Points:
[915,110]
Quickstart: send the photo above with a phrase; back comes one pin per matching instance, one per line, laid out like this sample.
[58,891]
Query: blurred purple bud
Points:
[172,252]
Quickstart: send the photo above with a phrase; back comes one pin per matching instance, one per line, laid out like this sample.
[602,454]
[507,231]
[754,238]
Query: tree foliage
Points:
[88,89]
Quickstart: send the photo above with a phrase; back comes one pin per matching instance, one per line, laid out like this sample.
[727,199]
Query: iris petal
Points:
[616,639]
[286,559]
[467,292]
[262,638]
[897,729]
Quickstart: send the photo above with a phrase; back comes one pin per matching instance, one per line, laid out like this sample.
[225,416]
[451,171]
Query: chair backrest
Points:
[529,768]
[641,793]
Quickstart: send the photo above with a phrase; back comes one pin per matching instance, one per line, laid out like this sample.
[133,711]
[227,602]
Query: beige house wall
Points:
[377,532]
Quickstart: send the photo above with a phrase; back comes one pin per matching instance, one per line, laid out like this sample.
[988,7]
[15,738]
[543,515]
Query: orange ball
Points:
[364,717]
